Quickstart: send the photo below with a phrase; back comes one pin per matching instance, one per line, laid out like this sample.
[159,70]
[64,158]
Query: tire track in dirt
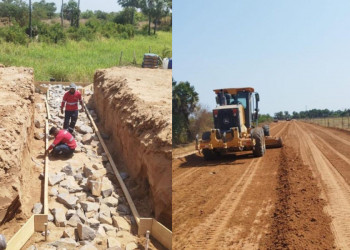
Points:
[185,175]
[192,235]
[177,156]
[335,188]
[207,232]
[326,131]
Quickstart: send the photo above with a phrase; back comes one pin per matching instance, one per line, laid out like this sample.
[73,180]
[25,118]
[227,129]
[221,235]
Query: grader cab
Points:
[236,126]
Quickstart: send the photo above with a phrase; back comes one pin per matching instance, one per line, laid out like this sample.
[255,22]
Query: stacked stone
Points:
[93,209]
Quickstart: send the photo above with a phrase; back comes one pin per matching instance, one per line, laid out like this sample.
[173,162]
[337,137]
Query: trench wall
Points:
[134,109]
[16,133]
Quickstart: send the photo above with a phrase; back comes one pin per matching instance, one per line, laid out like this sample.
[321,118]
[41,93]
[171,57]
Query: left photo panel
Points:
[86,122]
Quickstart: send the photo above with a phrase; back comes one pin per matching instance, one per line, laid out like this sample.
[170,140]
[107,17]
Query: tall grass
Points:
[78,61]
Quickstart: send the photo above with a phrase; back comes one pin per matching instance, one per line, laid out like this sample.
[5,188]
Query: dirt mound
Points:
[134,109]
[298,219]
[16,131]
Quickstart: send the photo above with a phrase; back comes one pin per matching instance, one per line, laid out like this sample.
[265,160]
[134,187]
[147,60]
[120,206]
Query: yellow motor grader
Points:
[236,126]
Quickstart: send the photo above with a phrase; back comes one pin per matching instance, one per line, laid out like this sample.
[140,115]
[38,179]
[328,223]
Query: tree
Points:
[161,9]
[184,100]
[201,120]
[14,10]
[279,115]
[44,10]
[154,9]
[126,16]
[87,14]
[101,15]
[131,5]
[71,12]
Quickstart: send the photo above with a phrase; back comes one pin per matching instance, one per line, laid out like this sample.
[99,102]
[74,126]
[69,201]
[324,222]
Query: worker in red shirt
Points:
[64,143]
[70,100]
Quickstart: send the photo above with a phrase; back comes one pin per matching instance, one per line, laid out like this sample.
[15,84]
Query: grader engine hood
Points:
[227,117]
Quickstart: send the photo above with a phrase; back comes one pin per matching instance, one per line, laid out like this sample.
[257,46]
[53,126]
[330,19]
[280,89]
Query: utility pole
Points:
[78,13]
[62,14]
[30,19]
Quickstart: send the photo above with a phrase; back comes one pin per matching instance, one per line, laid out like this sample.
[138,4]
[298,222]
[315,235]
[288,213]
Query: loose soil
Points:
[17,167]
[294,197]
[134,109]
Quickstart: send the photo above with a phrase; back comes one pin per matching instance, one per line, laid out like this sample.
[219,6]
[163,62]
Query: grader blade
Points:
[273,142]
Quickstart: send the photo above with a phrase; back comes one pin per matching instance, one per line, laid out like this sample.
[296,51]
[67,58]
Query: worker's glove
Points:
[61,110]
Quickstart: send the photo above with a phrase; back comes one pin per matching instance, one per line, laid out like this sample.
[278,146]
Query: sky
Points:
[295,53]
[104,5]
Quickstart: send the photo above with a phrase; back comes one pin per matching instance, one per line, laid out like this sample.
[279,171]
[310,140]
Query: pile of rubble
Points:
[83,200]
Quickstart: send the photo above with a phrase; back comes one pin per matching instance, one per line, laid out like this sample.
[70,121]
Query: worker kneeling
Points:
[64,143]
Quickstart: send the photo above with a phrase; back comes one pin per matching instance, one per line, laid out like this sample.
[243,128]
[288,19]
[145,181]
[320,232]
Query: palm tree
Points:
[184,100]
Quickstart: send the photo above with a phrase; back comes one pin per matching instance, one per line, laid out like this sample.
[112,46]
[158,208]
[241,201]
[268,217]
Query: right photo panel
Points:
[261,125]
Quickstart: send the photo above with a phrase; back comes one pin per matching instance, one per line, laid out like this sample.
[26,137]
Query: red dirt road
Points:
[295,197]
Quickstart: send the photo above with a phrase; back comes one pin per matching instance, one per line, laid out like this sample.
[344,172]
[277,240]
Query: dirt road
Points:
[294,197]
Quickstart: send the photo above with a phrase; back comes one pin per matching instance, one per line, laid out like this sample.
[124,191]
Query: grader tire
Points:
[260,147]
[266,129]
[208,154]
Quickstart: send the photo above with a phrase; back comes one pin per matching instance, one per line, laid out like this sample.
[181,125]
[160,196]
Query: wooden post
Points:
[120,58]
[134,62]
[45,224]
[114,167]
[46,172]
[157,230]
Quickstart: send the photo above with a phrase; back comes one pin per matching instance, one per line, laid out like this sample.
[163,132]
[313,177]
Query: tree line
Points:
[122,24]
[312,113]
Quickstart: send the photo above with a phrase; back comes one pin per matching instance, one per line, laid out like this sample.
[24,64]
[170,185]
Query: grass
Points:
[78,61]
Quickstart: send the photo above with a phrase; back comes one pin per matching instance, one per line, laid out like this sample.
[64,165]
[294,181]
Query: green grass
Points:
[78,61]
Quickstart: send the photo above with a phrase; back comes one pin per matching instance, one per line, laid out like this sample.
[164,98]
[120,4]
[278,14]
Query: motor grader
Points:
[236,126]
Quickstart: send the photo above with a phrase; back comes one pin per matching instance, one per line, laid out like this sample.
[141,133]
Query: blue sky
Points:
[104,5]
[295,53]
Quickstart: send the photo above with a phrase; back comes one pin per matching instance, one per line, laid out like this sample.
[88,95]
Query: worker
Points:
[64,143]
[70,100]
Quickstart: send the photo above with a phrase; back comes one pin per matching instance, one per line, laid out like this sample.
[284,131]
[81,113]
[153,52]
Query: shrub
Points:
[59,73]
[51,33]
[15,34]
[83,32]
[126,30]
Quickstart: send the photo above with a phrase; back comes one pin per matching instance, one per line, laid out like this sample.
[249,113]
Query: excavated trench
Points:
[131,107]
[16,144]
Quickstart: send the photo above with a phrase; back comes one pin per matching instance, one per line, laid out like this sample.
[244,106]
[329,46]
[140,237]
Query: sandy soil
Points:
[17,169]
[139,124]
[294,197]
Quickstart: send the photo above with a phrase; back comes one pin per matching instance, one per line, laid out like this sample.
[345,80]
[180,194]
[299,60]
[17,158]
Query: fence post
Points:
[342,122]
[328,122]
[120,59]
[134,62]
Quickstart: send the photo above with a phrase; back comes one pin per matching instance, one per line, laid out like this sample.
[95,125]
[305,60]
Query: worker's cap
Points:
[72,86]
